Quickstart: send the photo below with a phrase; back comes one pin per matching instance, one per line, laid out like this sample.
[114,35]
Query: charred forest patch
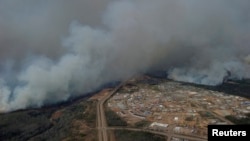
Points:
[72,122]
[124,135]
[113,119]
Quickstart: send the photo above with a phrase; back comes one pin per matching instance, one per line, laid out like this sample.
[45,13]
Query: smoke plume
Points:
[53,50]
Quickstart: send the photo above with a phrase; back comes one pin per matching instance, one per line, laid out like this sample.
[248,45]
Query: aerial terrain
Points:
[142,108]
[122,70]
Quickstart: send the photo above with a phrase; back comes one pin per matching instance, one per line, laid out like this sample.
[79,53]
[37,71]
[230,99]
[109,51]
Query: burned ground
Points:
[73,122]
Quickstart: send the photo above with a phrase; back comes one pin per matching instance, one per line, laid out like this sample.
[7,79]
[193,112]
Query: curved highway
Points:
[101,119]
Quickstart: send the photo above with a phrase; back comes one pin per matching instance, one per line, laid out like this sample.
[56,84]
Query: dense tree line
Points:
[124,135]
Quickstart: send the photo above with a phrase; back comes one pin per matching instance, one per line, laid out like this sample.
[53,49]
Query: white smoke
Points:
[196,41]
[247,59]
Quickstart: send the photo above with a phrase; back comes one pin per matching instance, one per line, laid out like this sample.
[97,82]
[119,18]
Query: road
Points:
[101,124]
[101,119]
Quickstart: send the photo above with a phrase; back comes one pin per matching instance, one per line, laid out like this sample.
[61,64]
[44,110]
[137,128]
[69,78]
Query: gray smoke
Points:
[52,50]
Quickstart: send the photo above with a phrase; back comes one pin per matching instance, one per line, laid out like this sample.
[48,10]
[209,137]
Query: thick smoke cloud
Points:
[53,50]
[31,27]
